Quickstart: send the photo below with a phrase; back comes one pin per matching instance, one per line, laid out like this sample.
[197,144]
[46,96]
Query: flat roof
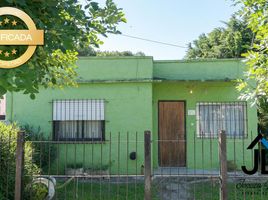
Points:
[159,61]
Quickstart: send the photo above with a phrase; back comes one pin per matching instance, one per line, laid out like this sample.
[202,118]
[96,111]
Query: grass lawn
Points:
[101,191]
[208,191]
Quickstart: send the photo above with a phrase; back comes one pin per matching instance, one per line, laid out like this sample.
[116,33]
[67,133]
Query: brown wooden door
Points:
[172,134]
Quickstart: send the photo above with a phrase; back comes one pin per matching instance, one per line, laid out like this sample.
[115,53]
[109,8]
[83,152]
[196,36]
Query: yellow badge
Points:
[31,37]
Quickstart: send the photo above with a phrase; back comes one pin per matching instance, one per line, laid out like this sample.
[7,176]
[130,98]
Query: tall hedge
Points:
[8,142]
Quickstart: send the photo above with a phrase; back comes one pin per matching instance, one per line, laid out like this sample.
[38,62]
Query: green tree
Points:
[68,26]
[119,53]
[89,51]
[255,85]
[114,53]
[225,42]
[263,115]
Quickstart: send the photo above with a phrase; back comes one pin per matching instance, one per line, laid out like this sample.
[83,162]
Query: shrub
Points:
[8,143]
[231,165]
[44,153]
[38,191]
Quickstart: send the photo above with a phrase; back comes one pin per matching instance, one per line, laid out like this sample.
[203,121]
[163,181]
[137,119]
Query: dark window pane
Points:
[78,130]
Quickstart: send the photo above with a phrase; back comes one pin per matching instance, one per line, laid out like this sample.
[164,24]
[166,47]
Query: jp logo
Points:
[259,156]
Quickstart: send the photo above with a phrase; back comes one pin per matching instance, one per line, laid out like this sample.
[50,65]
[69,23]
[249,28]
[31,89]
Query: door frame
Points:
[158,146]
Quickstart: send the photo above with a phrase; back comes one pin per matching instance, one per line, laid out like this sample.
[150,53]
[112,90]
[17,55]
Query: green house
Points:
[102,121]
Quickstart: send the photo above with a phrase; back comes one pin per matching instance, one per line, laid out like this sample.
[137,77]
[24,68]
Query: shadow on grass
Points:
[101,191]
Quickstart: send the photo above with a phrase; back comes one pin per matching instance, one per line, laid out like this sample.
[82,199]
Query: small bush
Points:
[44,153]
[39,191]
[8,143]
[95,167]
[231,166]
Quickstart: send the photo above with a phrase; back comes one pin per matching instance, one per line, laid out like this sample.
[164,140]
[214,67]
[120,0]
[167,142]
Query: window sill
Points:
[227,137]
[76,141]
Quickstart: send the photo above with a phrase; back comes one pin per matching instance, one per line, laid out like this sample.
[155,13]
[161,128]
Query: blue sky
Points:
[170,21]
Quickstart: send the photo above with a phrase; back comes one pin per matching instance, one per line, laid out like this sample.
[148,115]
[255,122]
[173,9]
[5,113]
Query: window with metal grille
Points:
[229,116]
[3,108]
[78,120]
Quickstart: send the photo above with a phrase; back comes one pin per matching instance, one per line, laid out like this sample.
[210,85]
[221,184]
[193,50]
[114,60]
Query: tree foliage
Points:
[67,27]
[255,85]
[263,115]
[224,42]
[118,53]
[86,51]
[8,144]
[89,51]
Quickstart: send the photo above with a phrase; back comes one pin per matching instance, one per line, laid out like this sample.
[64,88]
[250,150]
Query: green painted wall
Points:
[132,89]
[123,83]
[228,69]
[128,110]
[209,92]
[114,68]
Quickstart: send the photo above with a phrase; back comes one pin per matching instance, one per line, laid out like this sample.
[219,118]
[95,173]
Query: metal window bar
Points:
[78,119]
[215,116]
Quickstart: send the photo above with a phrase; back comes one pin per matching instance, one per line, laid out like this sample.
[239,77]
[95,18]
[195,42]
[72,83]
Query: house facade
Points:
[183,103]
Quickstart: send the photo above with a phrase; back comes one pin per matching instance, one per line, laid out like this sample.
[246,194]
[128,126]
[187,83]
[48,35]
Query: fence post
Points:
[223,165]
[19,165]
[147,165]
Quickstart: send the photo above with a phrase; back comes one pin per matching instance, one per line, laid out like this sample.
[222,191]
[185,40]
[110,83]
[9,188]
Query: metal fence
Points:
[213,169]
[128,166]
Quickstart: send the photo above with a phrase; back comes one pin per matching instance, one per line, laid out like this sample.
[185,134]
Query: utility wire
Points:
[148,40]
[154,41]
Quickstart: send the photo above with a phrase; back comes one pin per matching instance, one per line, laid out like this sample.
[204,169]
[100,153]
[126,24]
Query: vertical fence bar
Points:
[136,164]
[19,165]
[147,165]
[223,165]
